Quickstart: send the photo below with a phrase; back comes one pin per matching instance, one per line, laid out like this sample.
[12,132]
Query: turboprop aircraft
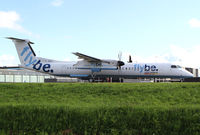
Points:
[91,67]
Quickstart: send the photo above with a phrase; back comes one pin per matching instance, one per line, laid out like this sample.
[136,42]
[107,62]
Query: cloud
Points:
[9,20]
[8,60]
[195,23]
[67,59]
[57,3]
[187,57]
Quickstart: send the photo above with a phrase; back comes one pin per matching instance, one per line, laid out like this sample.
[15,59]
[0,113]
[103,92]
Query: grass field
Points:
[100,108]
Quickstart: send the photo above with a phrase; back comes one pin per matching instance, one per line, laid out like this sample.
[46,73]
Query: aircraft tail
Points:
[25,52]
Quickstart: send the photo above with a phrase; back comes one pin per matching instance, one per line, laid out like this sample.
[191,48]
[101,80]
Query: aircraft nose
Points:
[187,74]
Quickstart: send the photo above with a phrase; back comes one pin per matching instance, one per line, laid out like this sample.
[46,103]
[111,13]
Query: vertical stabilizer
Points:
[25,52]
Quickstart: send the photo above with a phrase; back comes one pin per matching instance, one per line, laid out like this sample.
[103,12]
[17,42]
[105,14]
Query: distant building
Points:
[194,71]
[21,75]
[27,76]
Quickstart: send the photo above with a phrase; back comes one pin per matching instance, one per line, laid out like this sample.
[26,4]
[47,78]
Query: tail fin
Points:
[25,52]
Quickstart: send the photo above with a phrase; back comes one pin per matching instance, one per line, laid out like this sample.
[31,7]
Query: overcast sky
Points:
[149,30]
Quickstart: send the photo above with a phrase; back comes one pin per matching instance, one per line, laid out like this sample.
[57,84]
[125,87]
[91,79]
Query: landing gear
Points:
[110,79]
[93,75]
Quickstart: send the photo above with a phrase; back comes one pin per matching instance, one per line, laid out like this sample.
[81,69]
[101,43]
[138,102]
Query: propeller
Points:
[120,62]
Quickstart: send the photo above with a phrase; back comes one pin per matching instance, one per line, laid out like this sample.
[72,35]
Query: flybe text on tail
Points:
[29,59]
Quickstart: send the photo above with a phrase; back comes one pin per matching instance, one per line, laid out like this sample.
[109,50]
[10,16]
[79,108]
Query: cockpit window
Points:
[178,66]
[173,66]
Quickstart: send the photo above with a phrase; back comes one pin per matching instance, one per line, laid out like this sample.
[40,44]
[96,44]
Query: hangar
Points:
[17,75]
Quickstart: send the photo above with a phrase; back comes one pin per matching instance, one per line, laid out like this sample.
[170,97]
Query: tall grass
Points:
[84,108]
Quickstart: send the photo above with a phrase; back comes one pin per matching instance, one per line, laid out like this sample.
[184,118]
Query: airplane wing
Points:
[89,58]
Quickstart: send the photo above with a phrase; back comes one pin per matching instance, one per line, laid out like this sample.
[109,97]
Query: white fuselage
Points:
[129,70]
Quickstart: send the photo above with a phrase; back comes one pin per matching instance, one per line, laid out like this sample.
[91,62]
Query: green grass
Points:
[102,95]
[100,108]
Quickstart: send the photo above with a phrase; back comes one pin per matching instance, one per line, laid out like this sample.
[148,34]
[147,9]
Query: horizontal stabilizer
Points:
[11,67]
[18,39]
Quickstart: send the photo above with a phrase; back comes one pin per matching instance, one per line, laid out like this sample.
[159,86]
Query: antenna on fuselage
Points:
[130,60]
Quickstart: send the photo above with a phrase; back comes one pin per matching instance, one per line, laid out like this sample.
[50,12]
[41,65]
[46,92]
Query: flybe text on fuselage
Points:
[145,68]
[37,64]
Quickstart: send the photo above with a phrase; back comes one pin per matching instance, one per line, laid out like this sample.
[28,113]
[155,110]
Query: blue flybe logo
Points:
[45,67]
[28,56]
[145,68]
[37,64]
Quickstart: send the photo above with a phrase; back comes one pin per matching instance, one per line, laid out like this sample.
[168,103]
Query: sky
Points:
[148,30]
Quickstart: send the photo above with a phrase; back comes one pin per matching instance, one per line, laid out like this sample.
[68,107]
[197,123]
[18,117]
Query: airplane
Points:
[91,68]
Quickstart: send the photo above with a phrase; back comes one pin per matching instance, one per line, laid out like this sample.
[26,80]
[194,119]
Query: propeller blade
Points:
[119,62]
[120,56]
